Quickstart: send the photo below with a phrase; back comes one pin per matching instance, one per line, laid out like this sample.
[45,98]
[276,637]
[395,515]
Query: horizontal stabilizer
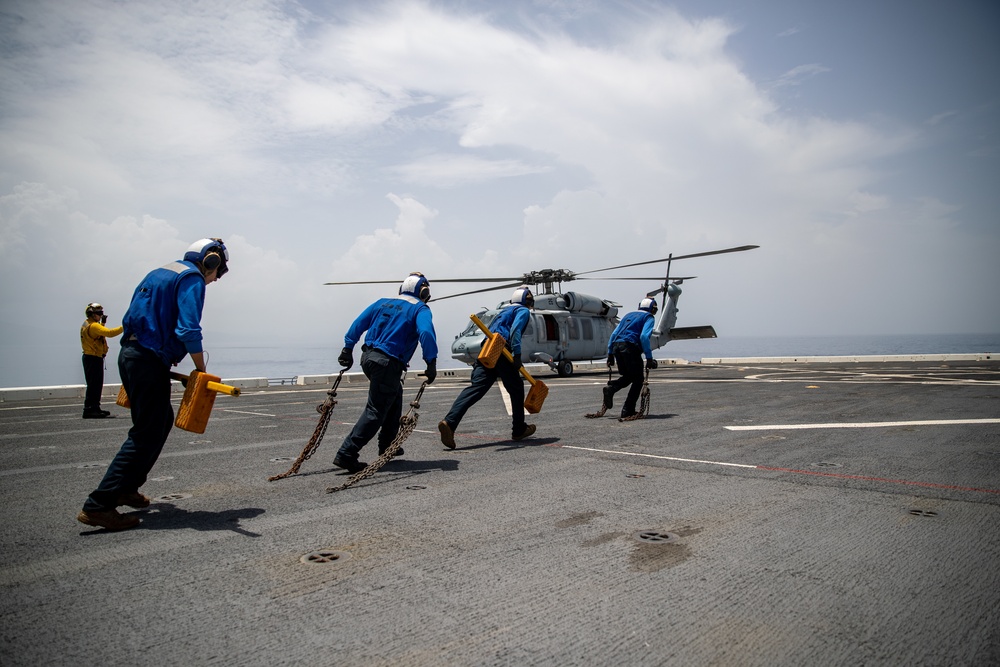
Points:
[689,333]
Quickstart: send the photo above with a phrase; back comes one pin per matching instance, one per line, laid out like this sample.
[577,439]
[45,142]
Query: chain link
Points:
[325,410]
[604,405]
[407,424]
[643,402]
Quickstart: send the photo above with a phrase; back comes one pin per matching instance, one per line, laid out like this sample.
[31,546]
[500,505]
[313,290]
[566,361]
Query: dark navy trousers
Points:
[93,374]
[628,356]
[147,381]
[482,379]
[384,407]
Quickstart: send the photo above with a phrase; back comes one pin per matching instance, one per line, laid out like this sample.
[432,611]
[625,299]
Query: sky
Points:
[855,142]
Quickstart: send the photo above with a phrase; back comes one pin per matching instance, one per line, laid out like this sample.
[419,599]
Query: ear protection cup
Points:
[416,285]
[212,261]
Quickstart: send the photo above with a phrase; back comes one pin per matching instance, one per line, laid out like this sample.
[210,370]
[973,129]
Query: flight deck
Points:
[764,513]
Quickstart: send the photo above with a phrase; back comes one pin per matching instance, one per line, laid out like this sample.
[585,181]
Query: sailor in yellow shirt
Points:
[92,337]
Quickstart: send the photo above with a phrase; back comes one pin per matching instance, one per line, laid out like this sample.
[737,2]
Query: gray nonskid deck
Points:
[765,513]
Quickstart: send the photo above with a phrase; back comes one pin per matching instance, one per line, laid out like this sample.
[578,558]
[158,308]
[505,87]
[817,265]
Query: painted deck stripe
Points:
[926,422]
[657,456]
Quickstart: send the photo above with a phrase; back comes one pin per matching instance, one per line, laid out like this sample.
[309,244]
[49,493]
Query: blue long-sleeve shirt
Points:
[165,312]
[510,324]
[636,327]
[394,326]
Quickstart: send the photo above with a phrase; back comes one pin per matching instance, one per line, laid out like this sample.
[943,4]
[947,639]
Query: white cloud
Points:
[128,130]
[444,170]
[796,75]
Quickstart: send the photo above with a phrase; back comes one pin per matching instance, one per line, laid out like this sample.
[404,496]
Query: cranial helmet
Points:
[210,254]
[416,285]
[94,309]
[649,305]
[523,296]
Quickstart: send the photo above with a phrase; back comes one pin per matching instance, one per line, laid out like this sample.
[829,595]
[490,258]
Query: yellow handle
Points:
[214,386]
[506,352]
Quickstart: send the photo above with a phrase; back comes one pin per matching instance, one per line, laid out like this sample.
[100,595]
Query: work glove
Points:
[611,360]
[104,319]
[346,358]
[516,360]
[651,363]
[432,371]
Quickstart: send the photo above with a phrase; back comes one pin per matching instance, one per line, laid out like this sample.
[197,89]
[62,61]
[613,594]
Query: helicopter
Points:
[571,326]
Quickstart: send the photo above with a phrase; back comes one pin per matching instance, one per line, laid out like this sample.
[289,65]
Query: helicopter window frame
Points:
[587,325]
[485,317]
[550,332]
[573,328]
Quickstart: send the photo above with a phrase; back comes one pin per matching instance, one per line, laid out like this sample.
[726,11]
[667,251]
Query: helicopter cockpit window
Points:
[471,328]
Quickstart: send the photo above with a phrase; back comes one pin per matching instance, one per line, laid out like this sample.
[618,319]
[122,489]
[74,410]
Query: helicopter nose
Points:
[466,348]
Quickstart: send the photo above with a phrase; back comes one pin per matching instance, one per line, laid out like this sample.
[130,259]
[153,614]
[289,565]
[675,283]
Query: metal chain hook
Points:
[325,410]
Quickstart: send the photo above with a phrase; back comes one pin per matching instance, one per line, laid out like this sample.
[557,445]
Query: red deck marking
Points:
[884,480]
[932,485]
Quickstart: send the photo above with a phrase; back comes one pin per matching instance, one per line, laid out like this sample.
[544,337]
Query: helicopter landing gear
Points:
[564,368]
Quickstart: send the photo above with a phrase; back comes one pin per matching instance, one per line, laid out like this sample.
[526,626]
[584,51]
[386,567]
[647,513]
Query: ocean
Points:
[48,367]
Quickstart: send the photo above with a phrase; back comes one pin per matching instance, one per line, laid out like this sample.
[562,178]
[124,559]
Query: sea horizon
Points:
[63,366]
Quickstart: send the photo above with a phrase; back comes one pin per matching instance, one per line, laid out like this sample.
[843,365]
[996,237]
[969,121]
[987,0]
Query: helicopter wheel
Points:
[564,368]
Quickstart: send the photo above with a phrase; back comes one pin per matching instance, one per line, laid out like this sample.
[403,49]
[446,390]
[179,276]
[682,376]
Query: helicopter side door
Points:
[550,337]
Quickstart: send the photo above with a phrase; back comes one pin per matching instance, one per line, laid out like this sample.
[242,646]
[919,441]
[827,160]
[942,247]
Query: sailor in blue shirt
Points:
[510,324]
[628,342]
[393,326]
[162,326]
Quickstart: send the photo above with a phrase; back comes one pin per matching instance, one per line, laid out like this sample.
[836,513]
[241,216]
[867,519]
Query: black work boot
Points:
[350,465]
[399,451]
[609,397]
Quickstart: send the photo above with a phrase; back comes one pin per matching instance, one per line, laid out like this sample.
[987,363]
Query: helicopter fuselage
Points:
[569,327]
[563,328]
[574,327]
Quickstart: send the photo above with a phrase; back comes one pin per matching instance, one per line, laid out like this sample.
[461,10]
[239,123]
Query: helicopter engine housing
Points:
[575,302]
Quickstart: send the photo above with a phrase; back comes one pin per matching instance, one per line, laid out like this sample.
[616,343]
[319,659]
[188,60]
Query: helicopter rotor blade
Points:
[436,280]
[666,259]
[478,291]
[656,279]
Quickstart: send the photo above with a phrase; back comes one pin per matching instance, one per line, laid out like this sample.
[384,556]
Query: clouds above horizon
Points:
[393,134]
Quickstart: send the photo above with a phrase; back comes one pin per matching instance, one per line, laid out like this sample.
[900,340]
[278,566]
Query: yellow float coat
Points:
[92,338]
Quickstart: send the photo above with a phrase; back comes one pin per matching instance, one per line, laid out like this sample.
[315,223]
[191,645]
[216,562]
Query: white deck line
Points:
[927,422]
[657,456]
